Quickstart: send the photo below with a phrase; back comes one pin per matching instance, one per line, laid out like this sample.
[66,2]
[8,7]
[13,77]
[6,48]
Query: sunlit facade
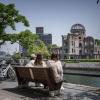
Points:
[76,44]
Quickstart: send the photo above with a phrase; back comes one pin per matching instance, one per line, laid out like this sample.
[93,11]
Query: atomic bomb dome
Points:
[77,28]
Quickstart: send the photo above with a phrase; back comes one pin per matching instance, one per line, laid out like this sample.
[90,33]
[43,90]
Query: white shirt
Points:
[57,68]
[30,64]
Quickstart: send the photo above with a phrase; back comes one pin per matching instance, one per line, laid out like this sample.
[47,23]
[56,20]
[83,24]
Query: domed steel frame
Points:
[77,28]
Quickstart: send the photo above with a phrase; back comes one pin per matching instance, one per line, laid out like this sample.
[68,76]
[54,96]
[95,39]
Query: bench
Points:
[39,75]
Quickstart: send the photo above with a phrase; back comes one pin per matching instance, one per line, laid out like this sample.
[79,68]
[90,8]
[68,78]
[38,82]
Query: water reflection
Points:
[84,80]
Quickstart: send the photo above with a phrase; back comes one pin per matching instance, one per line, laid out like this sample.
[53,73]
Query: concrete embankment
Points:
[83,68]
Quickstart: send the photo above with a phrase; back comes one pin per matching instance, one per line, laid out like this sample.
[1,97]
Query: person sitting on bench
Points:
[57,67]
[55,63]
[39,63]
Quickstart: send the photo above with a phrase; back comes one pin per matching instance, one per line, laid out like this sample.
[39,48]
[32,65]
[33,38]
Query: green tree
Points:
[39,47]
[31,43]
[9,37]
[9,16]
[26,38]
[50,47]
[97,41]
[16,57]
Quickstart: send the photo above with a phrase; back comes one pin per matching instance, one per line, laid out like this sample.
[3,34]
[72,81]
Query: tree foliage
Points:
[97,41]
[50,47]
[16,57]
[26,38]
[28,41]
[9,16]
[32,43]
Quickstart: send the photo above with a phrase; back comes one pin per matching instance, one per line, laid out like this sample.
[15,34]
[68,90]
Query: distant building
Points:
[97,49]
[88,46]
[45,37]
[39,30]
[76,44]
[72,44]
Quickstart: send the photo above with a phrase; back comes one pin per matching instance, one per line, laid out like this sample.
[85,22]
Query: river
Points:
[83,80]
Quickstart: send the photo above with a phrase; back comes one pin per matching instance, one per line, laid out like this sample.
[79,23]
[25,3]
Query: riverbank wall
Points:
[82,68]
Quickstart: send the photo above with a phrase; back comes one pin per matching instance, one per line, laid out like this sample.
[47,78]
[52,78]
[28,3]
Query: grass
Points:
[81,60]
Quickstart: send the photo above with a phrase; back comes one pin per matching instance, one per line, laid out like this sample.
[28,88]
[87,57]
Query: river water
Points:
[83,80]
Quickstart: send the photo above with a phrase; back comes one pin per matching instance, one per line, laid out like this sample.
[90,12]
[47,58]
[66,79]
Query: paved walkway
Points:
[9,91]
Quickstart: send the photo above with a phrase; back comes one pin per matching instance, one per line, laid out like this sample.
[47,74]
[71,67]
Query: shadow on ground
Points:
[33,93]
[29,92]
[43,94]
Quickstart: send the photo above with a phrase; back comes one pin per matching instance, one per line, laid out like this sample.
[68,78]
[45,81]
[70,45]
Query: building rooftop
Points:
[77,28]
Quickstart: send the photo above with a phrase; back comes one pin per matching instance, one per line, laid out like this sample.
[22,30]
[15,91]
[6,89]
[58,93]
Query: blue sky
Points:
[57,16]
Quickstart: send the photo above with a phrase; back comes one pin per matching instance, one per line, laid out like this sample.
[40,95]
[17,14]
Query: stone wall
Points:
[83,65]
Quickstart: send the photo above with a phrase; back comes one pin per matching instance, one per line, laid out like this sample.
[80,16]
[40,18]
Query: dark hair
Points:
[54,56]
[38,60]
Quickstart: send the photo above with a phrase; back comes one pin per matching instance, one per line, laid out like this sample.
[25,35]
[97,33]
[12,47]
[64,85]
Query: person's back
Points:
[57,67]
[39,63]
